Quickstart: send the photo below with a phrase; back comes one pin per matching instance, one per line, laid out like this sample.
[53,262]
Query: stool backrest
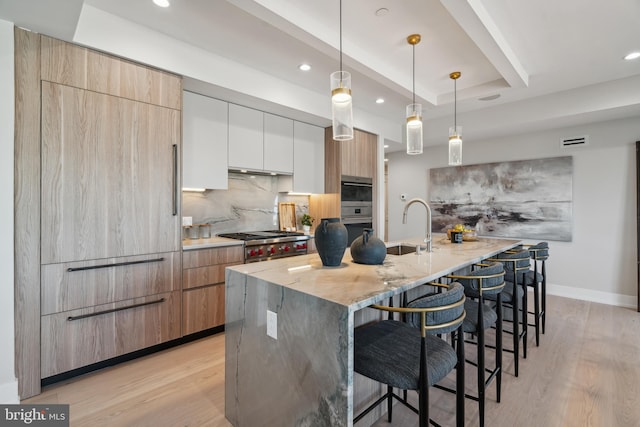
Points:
[437,313]
[438,319]
[539,251]
[486,280]
[517,260]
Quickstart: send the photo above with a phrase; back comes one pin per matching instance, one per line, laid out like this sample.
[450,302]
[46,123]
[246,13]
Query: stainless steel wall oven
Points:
[356,207]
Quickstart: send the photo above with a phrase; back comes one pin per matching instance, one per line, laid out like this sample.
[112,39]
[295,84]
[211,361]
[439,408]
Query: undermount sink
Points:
[401,249]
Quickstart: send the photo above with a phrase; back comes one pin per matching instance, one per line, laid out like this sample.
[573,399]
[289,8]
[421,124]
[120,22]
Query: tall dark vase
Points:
[331,241]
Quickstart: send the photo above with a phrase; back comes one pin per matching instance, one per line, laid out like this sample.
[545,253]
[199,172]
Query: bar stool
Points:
[483,283]
[409,356]
[537,279]
[516,264]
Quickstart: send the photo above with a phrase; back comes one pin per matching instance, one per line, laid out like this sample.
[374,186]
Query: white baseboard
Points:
[628,301]
[9,393]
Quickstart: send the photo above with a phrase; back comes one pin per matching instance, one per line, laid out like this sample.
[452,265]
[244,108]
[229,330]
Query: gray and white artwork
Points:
[529,199]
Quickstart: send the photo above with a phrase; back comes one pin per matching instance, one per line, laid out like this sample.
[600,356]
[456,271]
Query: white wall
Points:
[600,263]
[8,382]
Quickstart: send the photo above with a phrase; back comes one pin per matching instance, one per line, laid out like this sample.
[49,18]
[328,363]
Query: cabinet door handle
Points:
[116,264]
[113,310]
[175,179]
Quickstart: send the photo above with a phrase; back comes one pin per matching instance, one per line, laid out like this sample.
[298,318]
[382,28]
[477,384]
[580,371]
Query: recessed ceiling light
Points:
[382,11]
[632,55]
[490,97]
[386,145]
[386,160]
[304,67]
[161,3]
[380,101]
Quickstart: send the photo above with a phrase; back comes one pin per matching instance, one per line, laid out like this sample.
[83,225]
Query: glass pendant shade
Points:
[455,146]
[341,106]
[414,129]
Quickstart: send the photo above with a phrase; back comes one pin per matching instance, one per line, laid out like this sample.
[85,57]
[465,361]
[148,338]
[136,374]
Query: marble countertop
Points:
[212,242]
[357,286]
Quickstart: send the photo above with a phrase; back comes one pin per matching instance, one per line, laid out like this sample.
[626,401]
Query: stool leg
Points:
[536,311]
[480,349]
[389,403]
[525,305]
[460,379]
[499,347]
[516,331]
[544,295]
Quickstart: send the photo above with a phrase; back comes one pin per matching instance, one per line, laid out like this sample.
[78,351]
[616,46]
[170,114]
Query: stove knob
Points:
[252,252]
[260,251]
[272,250]
[304,246]
[286,248]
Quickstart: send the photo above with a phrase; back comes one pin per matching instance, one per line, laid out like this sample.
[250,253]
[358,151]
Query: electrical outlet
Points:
[187,221]
[272,324]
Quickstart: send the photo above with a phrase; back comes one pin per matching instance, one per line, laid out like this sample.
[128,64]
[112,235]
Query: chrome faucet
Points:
[427,238]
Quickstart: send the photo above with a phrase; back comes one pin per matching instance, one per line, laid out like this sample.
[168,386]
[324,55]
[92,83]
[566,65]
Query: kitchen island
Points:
[289,328]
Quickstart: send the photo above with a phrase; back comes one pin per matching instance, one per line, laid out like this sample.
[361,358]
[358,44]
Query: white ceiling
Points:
[552,63]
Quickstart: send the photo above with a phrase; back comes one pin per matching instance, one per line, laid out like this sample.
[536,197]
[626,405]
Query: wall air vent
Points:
[574,141]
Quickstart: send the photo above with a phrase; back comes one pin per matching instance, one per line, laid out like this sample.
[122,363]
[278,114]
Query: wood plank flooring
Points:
[586,372]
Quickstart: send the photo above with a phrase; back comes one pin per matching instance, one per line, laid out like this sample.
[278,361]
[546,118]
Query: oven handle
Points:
[356,184]
[357,220]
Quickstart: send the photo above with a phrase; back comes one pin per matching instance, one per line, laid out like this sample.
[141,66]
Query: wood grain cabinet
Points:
[109,176]
[356,157]
[203,286]
[98,143]
[81,337]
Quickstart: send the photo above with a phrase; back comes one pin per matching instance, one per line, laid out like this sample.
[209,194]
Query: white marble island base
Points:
[305,376]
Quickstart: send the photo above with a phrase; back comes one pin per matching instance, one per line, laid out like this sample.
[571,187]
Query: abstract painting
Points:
[528,199]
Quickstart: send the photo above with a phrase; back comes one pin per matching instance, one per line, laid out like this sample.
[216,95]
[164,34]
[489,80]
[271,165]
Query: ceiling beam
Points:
[474,18]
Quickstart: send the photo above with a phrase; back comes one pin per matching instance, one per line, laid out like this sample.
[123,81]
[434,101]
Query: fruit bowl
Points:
[469,236]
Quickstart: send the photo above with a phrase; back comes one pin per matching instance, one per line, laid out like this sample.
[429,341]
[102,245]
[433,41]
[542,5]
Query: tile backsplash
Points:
[250,204]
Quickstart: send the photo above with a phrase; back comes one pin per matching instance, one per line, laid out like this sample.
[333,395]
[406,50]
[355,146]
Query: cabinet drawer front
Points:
[202,276]
[202,308]
[205,257]
[107,331]
[73,285]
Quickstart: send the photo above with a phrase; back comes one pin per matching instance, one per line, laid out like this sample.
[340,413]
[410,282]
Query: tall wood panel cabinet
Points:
[356,157]
[98,265]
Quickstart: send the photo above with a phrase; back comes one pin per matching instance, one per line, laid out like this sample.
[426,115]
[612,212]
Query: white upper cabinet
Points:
[308,161]
[204,151]
[246,138]
[278,144]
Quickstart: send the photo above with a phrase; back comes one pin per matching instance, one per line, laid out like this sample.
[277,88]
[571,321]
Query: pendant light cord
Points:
[414,73]
[340,39]
[455,105]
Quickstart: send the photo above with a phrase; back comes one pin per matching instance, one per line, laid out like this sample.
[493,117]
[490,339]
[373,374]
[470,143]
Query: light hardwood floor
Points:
[586,372]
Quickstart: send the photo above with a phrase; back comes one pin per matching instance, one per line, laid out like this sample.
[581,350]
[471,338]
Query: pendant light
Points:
[455,132]
[414,111]
[341,108]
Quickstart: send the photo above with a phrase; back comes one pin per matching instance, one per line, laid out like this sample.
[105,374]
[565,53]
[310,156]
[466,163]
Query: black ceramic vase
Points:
[331,241]
[368,249]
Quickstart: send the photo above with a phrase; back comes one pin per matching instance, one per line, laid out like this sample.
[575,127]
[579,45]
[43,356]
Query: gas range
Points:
[272,244]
